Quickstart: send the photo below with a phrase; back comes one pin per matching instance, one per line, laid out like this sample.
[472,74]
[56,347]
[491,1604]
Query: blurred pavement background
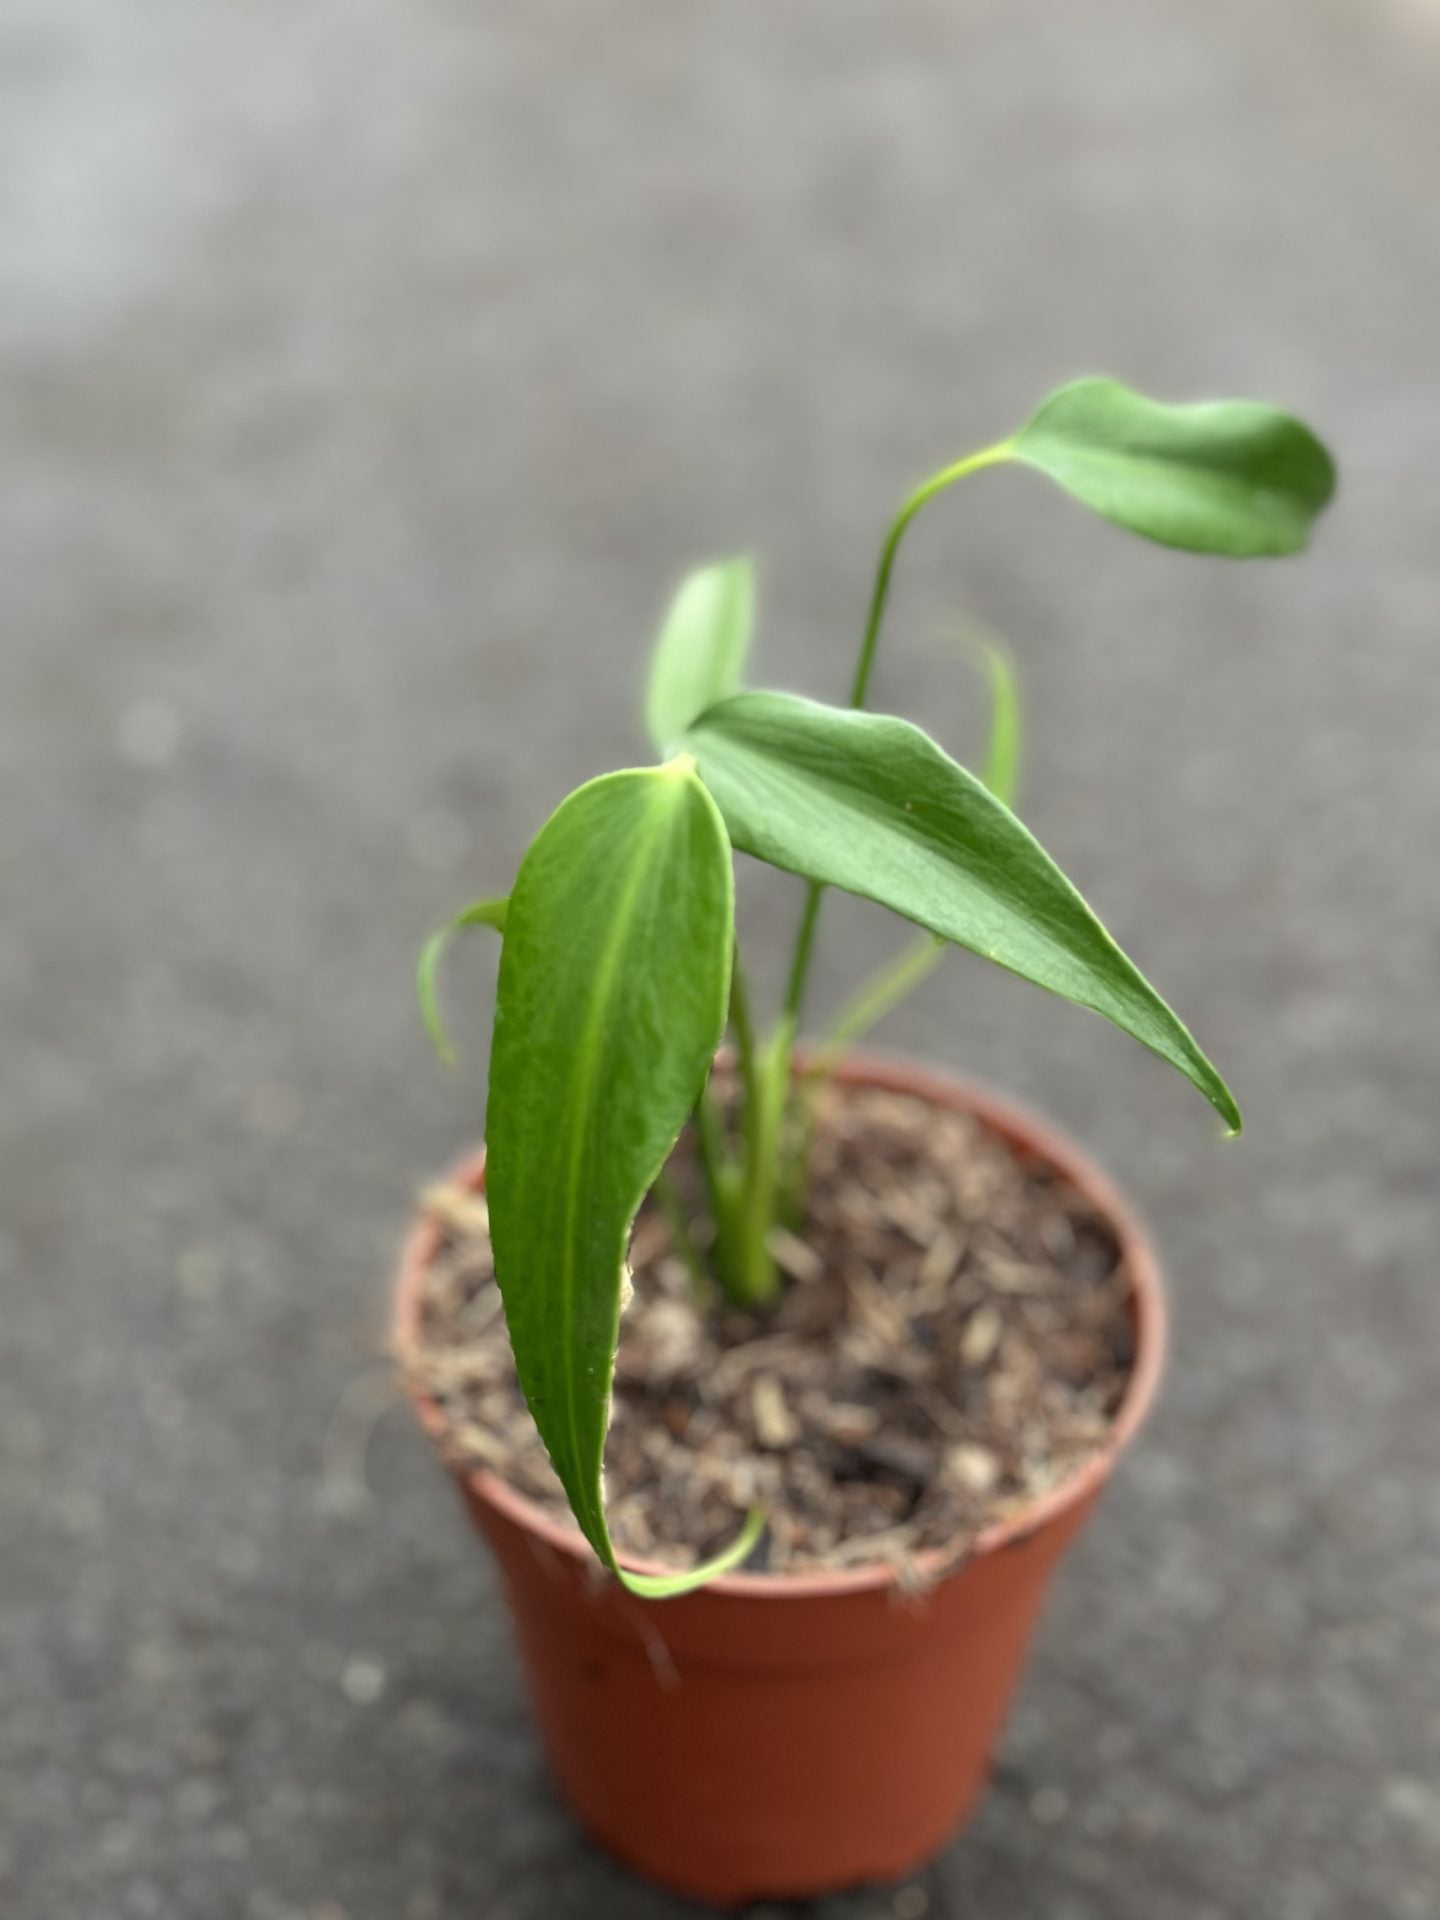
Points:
[369,373]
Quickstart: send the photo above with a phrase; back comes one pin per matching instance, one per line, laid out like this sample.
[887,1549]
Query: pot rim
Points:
[1014,1122]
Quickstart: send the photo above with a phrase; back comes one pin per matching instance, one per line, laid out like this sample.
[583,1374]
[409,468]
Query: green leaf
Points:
[1226,476]
[481,913]
[898,978]
[871,804]
[614,978]
[701,650]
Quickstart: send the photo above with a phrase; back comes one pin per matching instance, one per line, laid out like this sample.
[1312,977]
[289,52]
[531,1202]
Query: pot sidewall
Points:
[774,1736]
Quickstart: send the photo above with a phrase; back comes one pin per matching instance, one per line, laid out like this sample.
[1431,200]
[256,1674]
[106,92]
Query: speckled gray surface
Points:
[369,371]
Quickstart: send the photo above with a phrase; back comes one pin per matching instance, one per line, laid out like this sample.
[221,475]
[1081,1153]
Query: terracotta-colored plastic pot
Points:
[787,1735]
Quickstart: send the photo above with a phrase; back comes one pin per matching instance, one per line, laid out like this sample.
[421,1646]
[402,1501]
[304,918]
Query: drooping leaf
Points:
[871,804]
[613,984]
[481,913]
[701,650]
[1224,476]
[898,977]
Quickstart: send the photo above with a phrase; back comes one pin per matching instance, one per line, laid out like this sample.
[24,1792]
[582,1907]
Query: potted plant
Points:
[889,1331]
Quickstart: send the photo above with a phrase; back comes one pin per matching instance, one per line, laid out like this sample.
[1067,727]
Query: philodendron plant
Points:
[619,972]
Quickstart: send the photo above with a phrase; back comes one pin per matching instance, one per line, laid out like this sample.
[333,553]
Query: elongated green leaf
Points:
[898,977]
[701,650]
[614,978]
[481,913]
[871,804]
[1226,476]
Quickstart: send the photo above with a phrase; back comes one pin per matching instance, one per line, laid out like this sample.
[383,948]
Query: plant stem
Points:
[860,685]
[745,1199]
[745,1048]
[885,989]
[711,1152]
[741,1185]
[923,494]
[746,1263]
[673,1207]
[760,1278]
[800,959]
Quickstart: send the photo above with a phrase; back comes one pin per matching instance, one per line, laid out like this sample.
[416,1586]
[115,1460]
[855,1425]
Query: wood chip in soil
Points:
[953,1339]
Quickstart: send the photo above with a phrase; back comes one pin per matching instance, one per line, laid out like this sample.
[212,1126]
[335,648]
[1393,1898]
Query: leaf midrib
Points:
[1138,995]
[594,1023]
[1123,459]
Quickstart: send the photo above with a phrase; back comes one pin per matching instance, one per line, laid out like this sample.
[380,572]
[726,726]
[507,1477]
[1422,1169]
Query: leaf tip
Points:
[669,1586]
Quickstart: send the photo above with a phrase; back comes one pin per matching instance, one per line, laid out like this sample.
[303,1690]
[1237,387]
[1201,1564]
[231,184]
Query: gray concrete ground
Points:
[369,372]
